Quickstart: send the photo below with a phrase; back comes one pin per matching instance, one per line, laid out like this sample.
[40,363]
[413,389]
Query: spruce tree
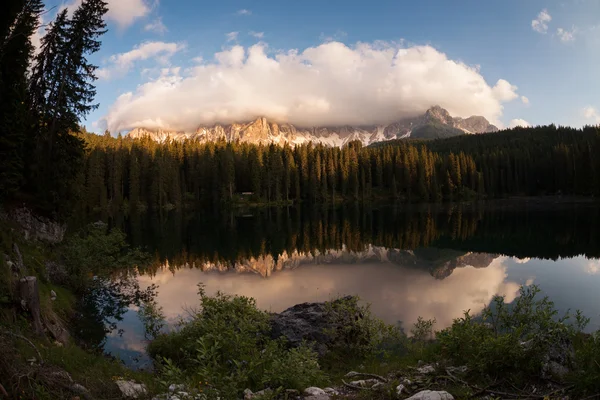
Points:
[62,93]
[19,21]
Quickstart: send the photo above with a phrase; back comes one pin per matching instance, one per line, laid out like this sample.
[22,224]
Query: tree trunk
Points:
[30,297]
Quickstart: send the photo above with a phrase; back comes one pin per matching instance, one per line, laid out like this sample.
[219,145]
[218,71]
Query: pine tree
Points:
[20,19]
[62,92]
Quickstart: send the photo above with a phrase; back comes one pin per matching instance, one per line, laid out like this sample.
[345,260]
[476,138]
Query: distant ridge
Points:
[436,122]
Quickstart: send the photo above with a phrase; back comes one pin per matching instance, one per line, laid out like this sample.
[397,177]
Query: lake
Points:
[406,261]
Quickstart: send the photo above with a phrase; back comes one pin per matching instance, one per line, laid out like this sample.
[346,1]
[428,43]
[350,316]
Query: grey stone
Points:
[38,228]
[432,395]
[309,322]
[400,389]
[315,391]
[176,388]
[364,382]
[427,369]
[130,389]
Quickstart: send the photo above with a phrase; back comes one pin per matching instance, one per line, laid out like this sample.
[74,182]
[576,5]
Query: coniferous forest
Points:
[133,174]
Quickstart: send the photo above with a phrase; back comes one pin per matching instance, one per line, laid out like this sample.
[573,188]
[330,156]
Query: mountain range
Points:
[436,122]
[440,263]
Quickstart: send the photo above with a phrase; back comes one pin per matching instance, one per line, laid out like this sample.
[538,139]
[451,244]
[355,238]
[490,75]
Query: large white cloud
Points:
[330,84]
[123,12]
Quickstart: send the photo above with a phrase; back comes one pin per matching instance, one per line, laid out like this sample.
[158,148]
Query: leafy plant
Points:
[227,347]
[513,341]
[356,333]
[98,250]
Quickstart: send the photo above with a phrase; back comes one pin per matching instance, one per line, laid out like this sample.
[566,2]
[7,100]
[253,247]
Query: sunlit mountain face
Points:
[436,122]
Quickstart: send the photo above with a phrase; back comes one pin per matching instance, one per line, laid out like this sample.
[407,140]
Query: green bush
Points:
[586,376]
[509,341]
[95,251]
[226,348]
[356,333]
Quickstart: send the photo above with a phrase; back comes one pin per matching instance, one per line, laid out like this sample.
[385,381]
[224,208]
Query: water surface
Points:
[429,261]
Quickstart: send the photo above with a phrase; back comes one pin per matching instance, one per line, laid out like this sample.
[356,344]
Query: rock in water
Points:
[431,395]
[311,322]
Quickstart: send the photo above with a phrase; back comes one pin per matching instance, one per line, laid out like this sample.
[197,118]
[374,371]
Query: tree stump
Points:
[30,298]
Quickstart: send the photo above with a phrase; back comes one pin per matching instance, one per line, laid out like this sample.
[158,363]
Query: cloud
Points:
[156,26]
[565,35]
[396,293]
[123,12]
[504,91]
[232,36]
[243,11]
[521,260]
[593,267]
[120,64]
[525,100]
[590,112]
[540,24]
[258,35]
[519,122]
[327,85]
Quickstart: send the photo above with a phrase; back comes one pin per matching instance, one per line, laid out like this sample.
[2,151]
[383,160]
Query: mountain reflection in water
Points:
[433,262]
[397,293]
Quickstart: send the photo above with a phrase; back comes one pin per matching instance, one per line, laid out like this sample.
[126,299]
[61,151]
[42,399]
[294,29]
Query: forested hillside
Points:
[134,174]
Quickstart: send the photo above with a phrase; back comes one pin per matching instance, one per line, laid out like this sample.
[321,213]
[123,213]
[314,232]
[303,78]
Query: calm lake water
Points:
[429,261]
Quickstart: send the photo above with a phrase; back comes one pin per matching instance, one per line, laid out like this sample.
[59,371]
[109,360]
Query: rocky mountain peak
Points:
[435,122]
[437,113]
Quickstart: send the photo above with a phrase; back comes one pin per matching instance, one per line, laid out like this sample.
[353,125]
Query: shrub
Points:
[97,250]
[226,347]
[356,333]
[512,341]
[586,376]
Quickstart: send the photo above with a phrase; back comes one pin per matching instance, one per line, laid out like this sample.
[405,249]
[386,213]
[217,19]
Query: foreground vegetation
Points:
[227,348]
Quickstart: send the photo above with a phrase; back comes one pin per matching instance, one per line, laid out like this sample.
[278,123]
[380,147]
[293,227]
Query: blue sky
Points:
[546,51]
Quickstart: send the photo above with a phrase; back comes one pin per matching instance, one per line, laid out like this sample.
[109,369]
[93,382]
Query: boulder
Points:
[431,395]
[38,228]
[316,323]
[131,390]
